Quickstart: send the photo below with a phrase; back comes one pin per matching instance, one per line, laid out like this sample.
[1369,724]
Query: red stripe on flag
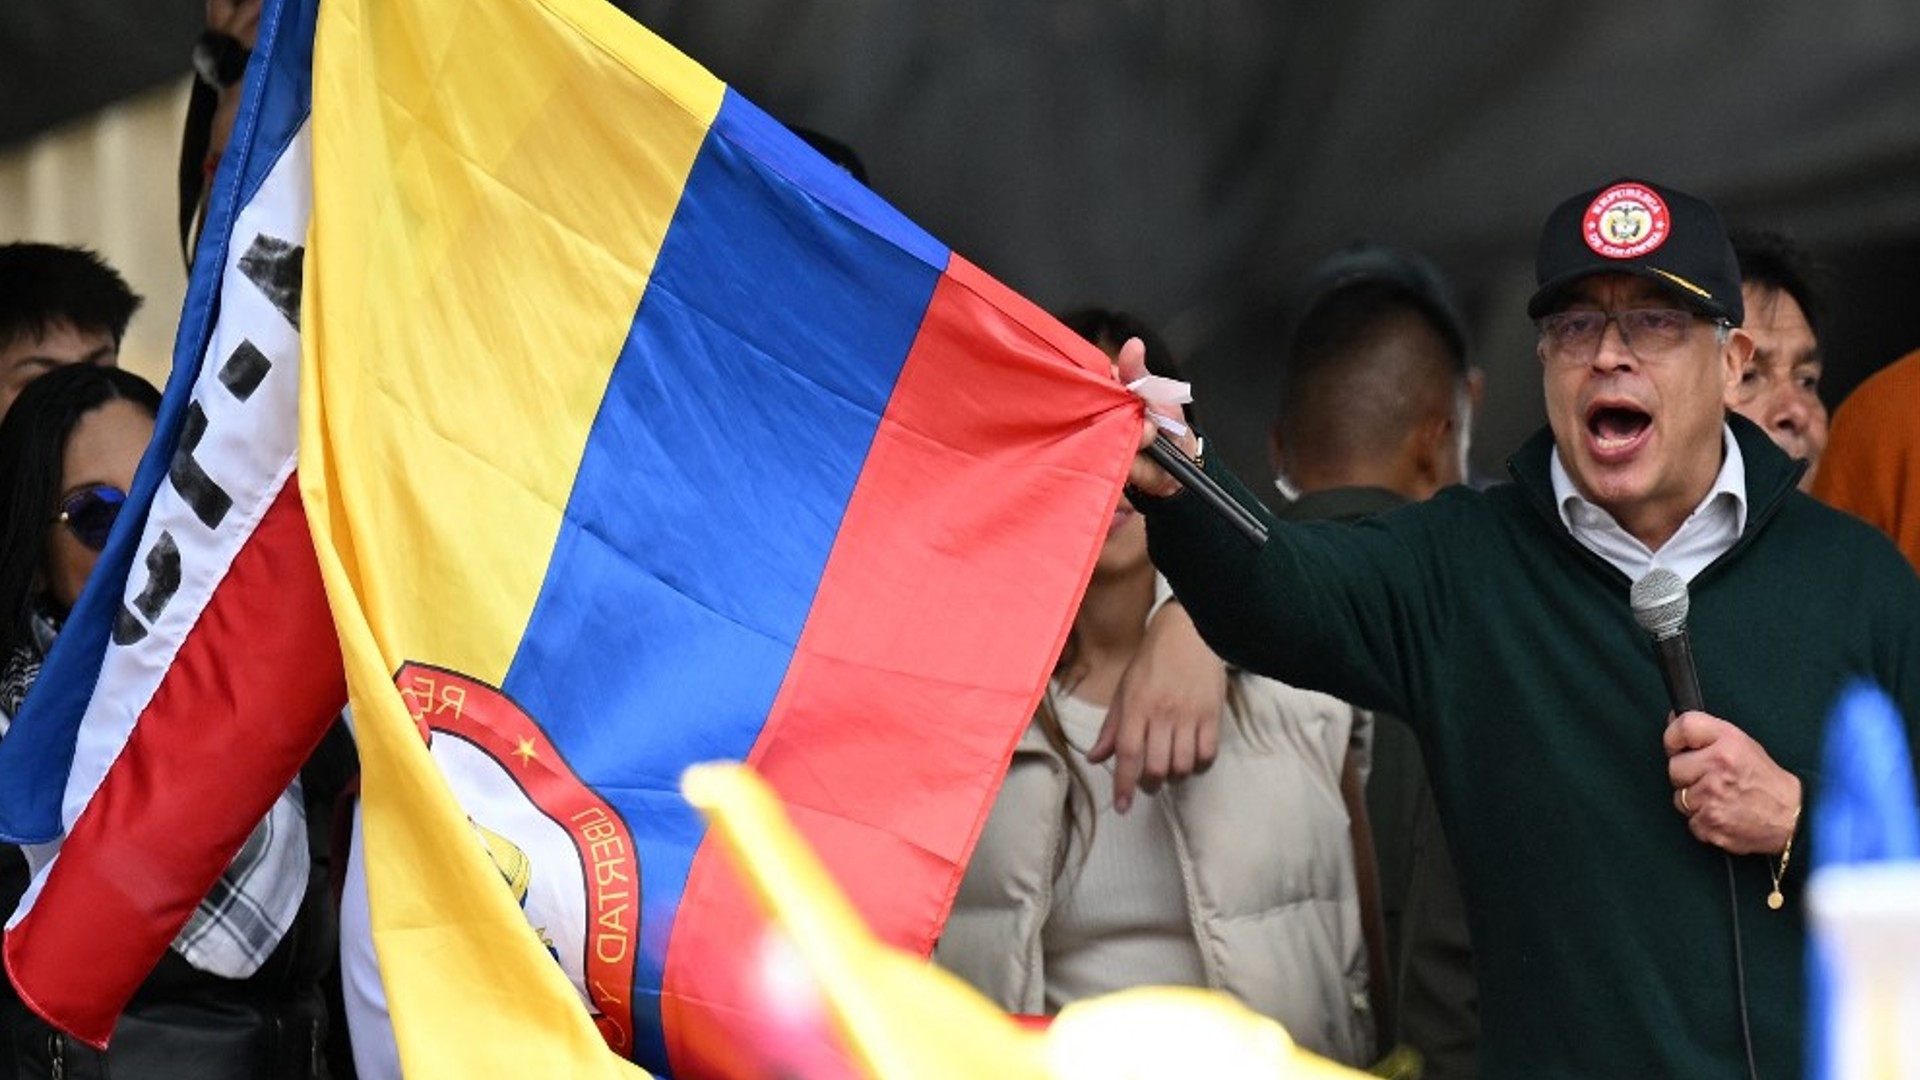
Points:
[254,687]
[953,581]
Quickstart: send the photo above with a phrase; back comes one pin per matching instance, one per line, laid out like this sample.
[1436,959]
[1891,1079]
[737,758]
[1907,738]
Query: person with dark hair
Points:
[58,305]
[68,460]
[1375,388]
[69,448]
[1376,409]
[1632,860]
[1066,897]
[1779,387]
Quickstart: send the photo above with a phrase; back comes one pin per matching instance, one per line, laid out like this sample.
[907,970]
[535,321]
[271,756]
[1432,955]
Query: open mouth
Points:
[1617,427]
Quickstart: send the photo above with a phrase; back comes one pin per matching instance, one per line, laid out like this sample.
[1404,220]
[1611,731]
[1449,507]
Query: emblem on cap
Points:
[1626,221]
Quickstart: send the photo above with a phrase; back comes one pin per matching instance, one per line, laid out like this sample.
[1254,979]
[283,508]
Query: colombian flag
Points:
[635,434]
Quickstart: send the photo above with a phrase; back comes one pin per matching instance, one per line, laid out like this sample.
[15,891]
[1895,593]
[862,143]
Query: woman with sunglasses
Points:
[68,450]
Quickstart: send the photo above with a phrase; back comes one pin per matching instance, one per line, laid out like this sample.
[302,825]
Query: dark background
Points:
[1187,159]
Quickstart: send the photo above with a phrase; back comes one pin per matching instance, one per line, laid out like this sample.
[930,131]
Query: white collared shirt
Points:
[1708,532]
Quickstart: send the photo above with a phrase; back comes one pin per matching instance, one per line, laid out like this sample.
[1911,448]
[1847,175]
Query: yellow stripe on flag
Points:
[491,186]
[491,183]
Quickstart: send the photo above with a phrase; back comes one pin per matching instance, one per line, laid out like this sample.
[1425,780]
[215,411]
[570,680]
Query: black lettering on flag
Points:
[244,370]
[126,628]
[273,265]
[163,580]
[209,500]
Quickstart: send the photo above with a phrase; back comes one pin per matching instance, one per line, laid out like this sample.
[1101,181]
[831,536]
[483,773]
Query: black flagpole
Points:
[1185,470]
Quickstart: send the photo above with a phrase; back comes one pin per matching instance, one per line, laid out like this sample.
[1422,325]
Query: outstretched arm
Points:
[1165,719]
[1164,722]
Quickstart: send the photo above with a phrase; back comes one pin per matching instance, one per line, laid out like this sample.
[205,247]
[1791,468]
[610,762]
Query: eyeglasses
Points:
[1573,337]
[89,513]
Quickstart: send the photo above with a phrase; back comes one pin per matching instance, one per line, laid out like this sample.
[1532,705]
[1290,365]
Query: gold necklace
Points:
[1779,870]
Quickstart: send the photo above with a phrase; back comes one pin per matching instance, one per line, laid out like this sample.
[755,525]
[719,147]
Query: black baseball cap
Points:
[1410,273]
[1640,227]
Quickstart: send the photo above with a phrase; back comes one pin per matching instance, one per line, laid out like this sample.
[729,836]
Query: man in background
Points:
[1779,388]
[1376,407]
[58,306]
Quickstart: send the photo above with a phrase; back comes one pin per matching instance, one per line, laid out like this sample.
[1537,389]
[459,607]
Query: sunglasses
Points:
[90,512]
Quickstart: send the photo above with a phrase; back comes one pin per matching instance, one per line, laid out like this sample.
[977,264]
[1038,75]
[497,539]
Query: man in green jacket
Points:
[1632,878]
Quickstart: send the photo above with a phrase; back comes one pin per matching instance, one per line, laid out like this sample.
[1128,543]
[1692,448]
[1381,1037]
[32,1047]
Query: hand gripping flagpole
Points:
[1160,390]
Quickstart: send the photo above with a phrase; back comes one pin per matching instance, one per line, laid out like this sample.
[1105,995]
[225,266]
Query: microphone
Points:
[1660,602]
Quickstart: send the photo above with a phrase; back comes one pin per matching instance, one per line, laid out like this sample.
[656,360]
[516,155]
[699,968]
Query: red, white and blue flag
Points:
[199,668]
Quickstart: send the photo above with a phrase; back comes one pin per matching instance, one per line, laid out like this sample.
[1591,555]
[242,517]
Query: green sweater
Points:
[1603,931]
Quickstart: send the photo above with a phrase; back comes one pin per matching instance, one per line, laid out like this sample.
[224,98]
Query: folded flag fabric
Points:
[199,668]
[634,434]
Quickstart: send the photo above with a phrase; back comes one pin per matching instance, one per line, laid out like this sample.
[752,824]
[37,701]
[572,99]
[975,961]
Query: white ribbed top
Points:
[1120,918]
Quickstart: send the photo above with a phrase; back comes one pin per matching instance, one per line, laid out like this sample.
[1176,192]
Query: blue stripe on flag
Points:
[782,153]
[760,361]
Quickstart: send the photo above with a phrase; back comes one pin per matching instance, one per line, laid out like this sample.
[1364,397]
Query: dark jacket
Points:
[1602,929]
[1435,1001]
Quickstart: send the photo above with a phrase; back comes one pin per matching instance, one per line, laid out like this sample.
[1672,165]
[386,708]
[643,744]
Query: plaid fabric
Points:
[23,666]
[247,911]
[250,908]
[18,674]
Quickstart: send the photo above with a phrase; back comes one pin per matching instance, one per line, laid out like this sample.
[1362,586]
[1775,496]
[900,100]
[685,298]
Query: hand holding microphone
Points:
[1729,789]
[1660,603]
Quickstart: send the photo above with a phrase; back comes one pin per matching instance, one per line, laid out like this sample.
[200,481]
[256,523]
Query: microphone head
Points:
[1659,602]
